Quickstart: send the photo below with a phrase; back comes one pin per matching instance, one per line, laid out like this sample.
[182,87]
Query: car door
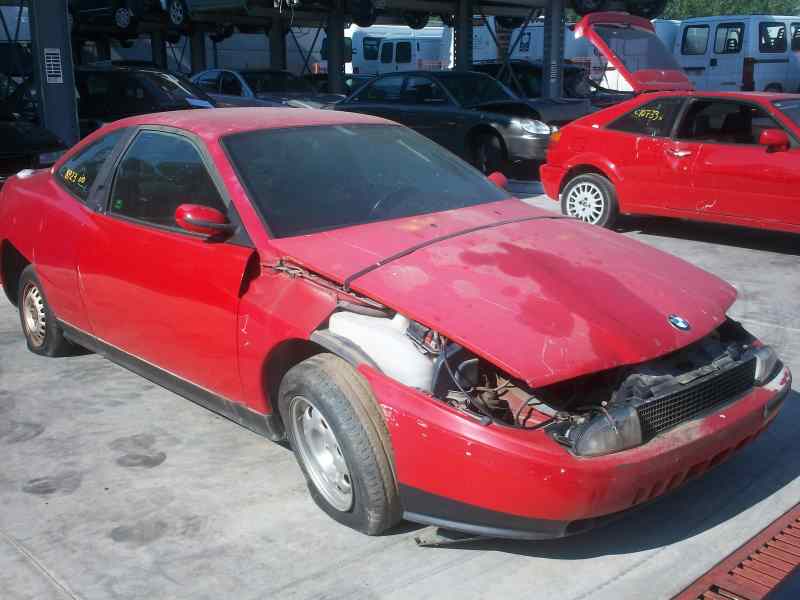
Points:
[229,85]
[381,98]
[727,58]
[734,176]
[772,61]
[429,110]
[157,292]
[640,150]
[386,64]
[695,53]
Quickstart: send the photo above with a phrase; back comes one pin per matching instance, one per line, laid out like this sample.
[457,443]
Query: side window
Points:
[654,119]
[728,39]
[370,46]
[383,90]
[424,91]
[403,53]
[695,40]
[387,50]
[158,173]
[230,85]
[772,37]
[79,172]
[795,43]
[209,82]
[724,122]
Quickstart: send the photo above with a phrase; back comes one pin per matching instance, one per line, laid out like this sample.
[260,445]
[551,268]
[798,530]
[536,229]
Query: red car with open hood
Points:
[431,347]
[729,157]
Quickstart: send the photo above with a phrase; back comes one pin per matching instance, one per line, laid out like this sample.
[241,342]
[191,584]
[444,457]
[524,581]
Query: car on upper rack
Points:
[471,114]
[280,87]
[727,157]
[432,348]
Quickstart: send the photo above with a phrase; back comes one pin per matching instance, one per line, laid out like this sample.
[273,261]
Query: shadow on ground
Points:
[715,233]
[759,470]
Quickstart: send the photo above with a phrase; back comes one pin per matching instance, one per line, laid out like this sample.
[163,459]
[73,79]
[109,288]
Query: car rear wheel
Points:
[489,154]
[125,21]
[341,443]
[591,198]
[42,332]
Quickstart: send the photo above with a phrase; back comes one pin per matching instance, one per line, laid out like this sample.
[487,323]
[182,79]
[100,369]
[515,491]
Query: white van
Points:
[741,52]
[418,51]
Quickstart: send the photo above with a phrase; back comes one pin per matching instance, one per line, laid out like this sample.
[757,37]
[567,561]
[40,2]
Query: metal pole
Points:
[53,71]
[463,36]
[553,64]
[158,48]
[277,44]
[198,50]
[335,37]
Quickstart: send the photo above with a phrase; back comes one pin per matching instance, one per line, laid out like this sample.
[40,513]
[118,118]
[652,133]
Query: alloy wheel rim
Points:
[122,18]
[321,454]
[586,202]
[34,315]
[176,13]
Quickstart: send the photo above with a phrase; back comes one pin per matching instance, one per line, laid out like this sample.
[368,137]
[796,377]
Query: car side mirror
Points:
[203,220]
[775,140]
[499,180]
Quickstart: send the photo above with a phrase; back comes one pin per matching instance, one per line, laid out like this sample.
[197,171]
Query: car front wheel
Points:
[591,198]
[42,332]
[341,443]
[488,152]
[177,13]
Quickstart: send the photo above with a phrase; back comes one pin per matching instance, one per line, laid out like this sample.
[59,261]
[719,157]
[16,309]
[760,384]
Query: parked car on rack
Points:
[432,348]
[25,145]
[280,87]
[121,15]
[730,157]
[577,84]
[741,52]
[471,114]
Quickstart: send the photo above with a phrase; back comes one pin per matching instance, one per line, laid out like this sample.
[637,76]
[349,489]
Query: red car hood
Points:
[545,299]
[654,70]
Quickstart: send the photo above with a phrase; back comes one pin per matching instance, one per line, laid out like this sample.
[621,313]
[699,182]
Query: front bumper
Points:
[526,146]
[551,177]
[503,482]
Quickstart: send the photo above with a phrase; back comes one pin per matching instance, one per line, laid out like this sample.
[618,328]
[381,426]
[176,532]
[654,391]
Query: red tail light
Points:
[748,75]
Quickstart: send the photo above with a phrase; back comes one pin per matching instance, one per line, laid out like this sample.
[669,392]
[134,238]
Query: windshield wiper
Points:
[411,249]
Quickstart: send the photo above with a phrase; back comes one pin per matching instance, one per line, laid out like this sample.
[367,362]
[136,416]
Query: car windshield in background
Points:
[472,89]
[265,82]
[392,172]
[638,50]
[170,90]
[791,108]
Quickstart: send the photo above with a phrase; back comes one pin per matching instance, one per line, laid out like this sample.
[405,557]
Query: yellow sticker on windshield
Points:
[648,114]
[71,176]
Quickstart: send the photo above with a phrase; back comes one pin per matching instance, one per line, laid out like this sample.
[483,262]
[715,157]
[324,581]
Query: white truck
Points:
[741,52]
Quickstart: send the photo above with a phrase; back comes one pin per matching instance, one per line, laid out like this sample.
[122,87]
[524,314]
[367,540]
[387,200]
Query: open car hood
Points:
[544,298]
[631,46]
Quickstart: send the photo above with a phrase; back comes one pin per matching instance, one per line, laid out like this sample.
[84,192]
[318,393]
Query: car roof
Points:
[737,18]
[212,124]
[752,96]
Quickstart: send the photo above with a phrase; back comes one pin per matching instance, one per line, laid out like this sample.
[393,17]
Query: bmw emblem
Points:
[679,322]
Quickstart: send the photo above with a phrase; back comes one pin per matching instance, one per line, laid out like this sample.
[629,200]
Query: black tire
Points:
[177,13]
[123,28]
[649,9]
[222,33]
[448,19]
[416,20]
[592,184]
[47,338]
[364,13]
[584,7]
[488,153]
[327,384]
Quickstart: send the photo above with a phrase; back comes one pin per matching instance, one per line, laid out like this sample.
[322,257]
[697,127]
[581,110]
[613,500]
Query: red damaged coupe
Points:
[729,157]
[432,348]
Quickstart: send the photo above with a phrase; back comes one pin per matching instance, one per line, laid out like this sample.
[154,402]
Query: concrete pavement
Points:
[111,487]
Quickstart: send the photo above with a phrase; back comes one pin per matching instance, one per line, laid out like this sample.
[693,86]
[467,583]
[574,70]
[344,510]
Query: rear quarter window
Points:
[79,173]
[653,119]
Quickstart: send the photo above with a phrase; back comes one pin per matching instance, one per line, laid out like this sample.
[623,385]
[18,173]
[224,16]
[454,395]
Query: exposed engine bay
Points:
[591,415]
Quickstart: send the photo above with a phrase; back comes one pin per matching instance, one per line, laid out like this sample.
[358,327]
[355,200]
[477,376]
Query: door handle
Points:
[679,153]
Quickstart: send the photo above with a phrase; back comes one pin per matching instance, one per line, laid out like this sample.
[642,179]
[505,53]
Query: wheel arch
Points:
[12,263]
[480,129]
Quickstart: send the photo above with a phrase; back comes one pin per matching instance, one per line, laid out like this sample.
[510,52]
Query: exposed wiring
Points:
[482,406]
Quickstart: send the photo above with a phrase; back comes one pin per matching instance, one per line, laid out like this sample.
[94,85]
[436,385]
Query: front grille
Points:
[673,408]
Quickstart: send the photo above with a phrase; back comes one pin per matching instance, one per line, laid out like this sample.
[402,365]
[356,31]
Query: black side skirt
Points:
[269,426]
